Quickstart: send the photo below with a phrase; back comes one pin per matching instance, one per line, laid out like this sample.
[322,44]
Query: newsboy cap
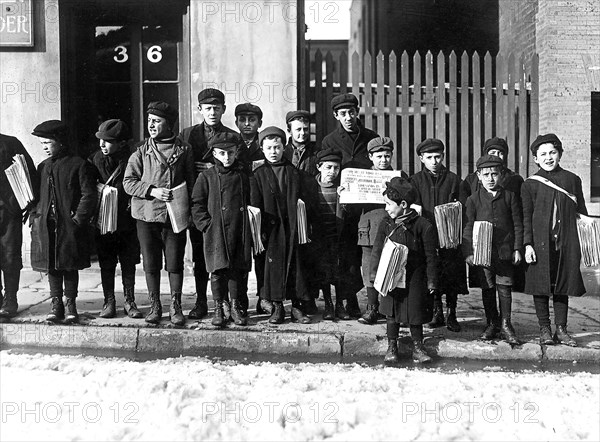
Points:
[51,129]
[488,160]
[343,101]
[211,96]
[223,140]
[399,189]
[271,130]
[248,109]
[496,143]
[164,110]
[547,138]
[113,130]
[380,143]
[430,145]
[292,115]
[329,154]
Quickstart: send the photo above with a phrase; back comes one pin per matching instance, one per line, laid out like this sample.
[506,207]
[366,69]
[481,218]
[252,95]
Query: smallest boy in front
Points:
[500,207]
[219,205]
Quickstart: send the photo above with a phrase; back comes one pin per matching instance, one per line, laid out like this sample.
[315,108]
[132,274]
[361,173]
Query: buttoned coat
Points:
[308,159]
[195,136]
[247,154]
[354,152]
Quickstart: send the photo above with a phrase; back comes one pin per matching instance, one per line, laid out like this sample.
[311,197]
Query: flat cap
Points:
[113,130]
[430,145]
[329,154]
[293,115]
[51,129]
[488,160]
[344,100]
[399,189]
[224,140]
[248,109]
[211,96]
[270,131]
[496,143]
[164,110]
[380,143]
[547,138]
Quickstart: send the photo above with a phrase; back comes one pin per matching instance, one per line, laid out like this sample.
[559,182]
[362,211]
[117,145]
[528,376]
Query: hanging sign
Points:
[16,29]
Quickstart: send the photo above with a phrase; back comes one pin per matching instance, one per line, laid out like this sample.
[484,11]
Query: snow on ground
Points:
[57,397]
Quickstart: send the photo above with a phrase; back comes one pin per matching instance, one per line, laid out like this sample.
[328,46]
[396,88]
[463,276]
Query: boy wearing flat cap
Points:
[500,207]
[276,187]
[219,210]
[60,230]
[12,218]
[413,304]
[211,104]
[161,163]
[299,149]
[436,185]
[122,245]
[248,119]
[552,198]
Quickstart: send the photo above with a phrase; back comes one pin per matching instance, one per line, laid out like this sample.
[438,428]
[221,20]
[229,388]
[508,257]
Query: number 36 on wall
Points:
[154,54]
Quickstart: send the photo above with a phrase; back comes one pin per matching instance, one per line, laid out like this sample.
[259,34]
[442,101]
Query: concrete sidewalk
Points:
[341,339]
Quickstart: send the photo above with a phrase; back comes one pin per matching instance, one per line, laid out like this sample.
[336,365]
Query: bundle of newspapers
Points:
[588,229]
[108,198]
[255,222]
[448,218]
[302,223]
[20,181]
[482,243]
[178,208]
[391,271]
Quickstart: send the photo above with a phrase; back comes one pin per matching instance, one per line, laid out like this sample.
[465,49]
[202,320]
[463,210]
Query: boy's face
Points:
[547,157]
[50,146]
[432,161]
[394,209]
[489,177]
[248,124]
[329,171]
[272,147]
[381,160]
[348,118]
[158,126]
[109,147]
[300,131]
[496,152]
[212,113]
[225,155]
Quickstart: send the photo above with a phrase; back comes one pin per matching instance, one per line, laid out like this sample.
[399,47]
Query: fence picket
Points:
[521,147]
[488,96]
[464,165]
[510,114]
[405,112]
[440,107]
[429,96]
[453,99]
[356,74]
[320,99]
[393,107]
[416,103]
[368,91]
[380,100]
[328,91]
[500,75]
[476,73]
[343,72]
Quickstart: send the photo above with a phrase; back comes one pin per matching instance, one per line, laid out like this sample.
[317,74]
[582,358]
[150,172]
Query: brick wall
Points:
[517,26]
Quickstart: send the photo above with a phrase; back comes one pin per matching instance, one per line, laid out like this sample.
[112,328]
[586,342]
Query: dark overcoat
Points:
[354,150]
[196,136]
[509,180]
[219,210]
[538,205]
[9,147]
[308,160]
[248,153]
[76,197]
[284,273]
[414,304]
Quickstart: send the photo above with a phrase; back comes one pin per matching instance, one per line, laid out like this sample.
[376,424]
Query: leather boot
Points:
[546,335]
[129,306]
[507,332]
[491,331]
[155,314]
[562,336]
[71,315]
[264,307]
[329,312]
[438,314]
[451,322]
[9,305]
[370,316]
[310,307]
[237,314]
[391,355]
[352,307]
[109,309]
[218,319]
[419,355]
[297,315]
[57,311]
[175,313]
[200,309]
[340,311]
[278,315]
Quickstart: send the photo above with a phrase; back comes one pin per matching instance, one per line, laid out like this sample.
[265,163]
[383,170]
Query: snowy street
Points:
[58,397]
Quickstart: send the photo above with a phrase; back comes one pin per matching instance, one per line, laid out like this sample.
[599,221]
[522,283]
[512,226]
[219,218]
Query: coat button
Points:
[223,208]
[272,221]
[241,209]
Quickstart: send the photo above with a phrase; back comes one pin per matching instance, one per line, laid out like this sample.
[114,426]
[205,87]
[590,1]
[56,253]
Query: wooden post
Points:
[521,148]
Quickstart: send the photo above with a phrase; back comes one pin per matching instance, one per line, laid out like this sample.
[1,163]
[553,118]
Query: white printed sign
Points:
[362,186]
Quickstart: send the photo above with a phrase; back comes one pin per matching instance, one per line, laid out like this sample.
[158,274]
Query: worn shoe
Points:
[562,336]
[352,307]
[341,313]
[391,355]
[219,319]
[298,316]
[278,315]
[155,314]
[451,321]
[438,316]
[264,307]
[491,331]
[71,315]
[9,305]
[329,312]
[370,316]
[109,309]
[419,354]
[310,307]
[546,335]
[57,311]
[129,306]
[507,332]
[237,314]
[175,312]
[200,309]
